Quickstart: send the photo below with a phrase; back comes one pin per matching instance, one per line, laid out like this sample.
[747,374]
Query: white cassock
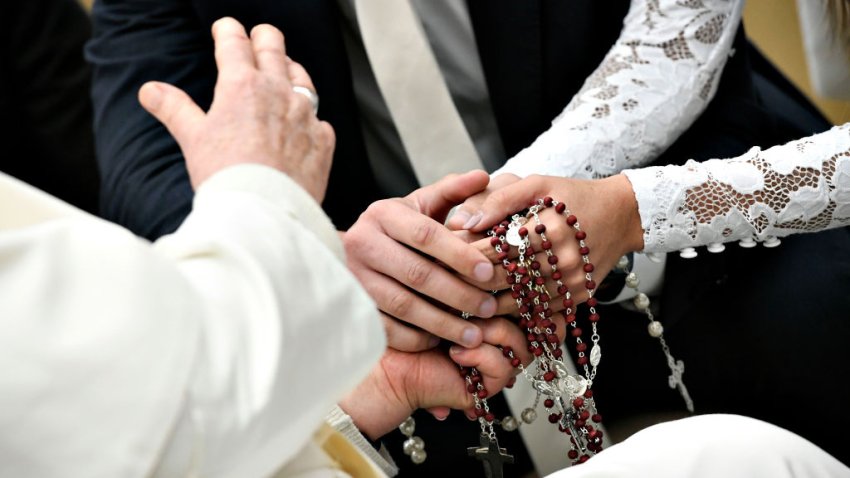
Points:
[216,351]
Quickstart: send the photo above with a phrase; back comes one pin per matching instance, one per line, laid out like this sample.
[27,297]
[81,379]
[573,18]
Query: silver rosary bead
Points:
[623,263]
[716,247]
[688,253]
[747,243]
[509,424]
[641,301]
[771,242]
[418,456]
[407,427]
[413,444]
[655,329]
[529,415]
[632,280]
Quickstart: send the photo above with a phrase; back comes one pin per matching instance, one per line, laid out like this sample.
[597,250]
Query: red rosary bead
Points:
[572,454]
[553,418]
[548,403]
[482,393]
[578,402]
[549,376]
[590,285]
[581,347]
[593,317]
[576,332]
[571,220]
[552,260]
[560,207]
[588,267]
[515,362]
[581,235]
[489,417]
[584,250]
[592,302]
[557,353]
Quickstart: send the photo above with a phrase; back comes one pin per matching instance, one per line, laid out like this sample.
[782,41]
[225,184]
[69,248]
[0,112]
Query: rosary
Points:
[567,396]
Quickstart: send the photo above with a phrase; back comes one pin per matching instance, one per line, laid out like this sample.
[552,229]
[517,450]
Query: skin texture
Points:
[255,116]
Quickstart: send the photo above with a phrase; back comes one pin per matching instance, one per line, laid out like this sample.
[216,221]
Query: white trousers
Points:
[724,446]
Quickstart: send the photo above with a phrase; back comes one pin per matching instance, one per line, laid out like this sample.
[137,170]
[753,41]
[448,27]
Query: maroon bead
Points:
[535,265]
[584,415]
[582,360]
[482,393]
[578,402]
[531,324]
[561,207]
[522,271]
[569,303]
[549,376]
[571,220]
[596,418]
[504,223]
[554,417]
[538,352]
[583,459]
[552,259]
[557,353]
[494,241]
[476,379]
[516,294]
[530,337]
[590,285]
[502,256]
[545,323]
[548,201]
[489,417]
[544,297]
[584,250]
[540,229]
[552,339]
[539,281]
[592,302]
[523,232]
[582,347]
[572,454]
[515,362]
[525,280]
[588,267]
[546,245]
[501,230]
[576,332]
[548,403]
[511,267]
[464,372]
[547,313]
[506,350]
[593,317]
[479,412]
[570,318]
[579,423]
[523,309]
[581,235]
[470,388]
[588,393]
[562,289]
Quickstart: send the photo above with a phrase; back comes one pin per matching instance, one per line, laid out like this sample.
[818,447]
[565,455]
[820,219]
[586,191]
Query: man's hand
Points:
[394,249]
[255,116]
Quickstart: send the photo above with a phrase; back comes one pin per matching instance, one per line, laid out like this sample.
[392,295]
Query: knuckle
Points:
[400,304]
[418,274]
[423,234]
[242,78]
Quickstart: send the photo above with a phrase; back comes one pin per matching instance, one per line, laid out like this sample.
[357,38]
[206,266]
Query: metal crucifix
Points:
[491,456]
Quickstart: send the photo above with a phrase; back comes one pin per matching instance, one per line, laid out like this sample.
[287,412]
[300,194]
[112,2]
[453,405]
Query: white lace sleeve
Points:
[801,186]
[653,83]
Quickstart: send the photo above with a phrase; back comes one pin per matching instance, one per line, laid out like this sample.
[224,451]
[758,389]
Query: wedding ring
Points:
[310,94]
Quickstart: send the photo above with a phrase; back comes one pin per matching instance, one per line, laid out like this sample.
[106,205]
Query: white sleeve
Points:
[801,186]
[287,331]
[652,85]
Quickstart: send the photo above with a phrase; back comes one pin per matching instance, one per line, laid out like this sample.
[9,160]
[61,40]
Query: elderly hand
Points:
[255,117]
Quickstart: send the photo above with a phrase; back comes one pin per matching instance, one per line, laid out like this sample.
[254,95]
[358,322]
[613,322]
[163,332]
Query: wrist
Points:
[620,188]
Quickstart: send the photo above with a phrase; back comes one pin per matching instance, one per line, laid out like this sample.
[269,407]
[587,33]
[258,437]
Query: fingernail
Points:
[473,220]
[483,271]
[441,418]
[455,350]
[471,337]
[460,217]
[433,342]
[488,307]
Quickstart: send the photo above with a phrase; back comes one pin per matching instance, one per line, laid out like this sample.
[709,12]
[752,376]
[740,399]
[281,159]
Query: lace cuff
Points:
[802,186]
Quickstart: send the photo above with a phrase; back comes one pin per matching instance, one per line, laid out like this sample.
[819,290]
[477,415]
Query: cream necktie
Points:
[431,130]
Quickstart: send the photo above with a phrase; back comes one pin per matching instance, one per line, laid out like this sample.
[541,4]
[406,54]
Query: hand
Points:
[403,382]
[607,212]
[393,249]
[255,116]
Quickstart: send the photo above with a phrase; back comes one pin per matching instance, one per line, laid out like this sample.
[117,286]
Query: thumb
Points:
[436,199]
[512,198]
[172,107]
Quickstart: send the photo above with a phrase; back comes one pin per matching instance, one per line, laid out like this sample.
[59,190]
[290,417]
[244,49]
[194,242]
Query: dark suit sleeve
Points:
[145,186]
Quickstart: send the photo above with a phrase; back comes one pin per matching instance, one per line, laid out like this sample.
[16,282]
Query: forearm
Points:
[802,186]
[289,333]
[655,81]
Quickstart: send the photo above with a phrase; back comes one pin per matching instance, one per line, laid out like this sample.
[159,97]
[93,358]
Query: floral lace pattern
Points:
[653,83]
[801,186]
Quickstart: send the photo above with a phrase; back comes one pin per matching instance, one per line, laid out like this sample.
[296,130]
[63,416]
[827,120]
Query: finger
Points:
[270,52]
[510,199]
[491,364]
[430,237]
[298,75]
[504,332]
[399,302]
[233,52]
[173,108]
[407,339]
[469,214]
[440,413]
[437,199]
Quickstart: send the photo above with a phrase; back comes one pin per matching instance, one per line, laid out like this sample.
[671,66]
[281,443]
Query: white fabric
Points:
[656,80]
[711,446]
[826,55]
[801,186]
[185,358]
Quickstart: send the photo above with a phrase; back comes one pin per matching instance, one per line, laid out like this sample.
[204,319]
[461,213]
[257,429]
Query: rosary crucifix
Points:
[491,456]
